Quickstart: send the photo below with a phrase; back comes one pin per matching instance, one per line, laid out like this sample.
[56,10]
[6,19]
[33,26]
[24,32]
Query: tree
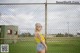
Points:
[25,35]
[60,35]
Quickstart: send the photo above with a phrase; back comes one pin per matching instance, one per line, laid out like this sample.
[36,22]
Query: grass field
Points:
[55,45]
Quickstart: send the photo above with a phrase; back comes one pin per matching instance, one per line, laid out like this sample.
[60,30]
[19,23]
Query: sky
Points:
[60,17]
[32,1]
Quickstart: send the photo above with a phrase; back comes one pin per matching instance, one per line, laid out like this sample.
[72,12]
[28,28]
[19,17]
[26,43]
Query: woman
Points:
[41,46]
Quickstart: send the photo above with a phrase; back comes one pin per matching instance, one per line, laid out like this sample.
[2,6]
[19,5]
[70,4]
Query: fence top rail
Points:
[9,38]
[21,3]
[39,3]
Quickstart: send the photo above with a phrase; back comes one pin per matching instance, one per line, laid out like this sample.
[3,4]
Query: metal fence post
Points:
[46,22]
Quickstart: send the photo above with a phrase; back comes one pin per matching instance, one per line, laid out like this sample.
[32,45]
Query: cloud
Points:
[21,1]
[21,20]
[25,16]
[53,1]
[59,16]
[32,1]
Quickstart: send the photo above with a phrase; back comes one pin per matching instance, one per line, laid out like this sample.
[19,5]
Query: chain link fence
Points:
[17,27]
[63,19]
[63,28]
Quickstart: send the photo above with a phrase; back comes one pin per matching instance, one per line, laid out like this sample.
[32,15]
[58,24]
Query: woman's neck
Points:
[38,31]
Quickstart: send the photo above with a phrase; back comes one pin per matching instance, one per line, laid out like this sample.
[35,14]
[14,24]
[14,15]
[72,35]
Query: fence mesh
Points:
[17,27]
[24,17]
[63,19]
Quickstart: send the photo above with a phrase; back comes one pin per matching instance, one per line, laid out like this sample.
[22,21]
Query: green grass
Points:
[55,45]
[23,47]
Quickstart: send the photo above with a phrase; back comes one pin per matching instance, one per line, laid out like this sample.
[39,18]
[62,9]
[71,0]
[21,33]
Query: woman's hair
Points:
[37,24]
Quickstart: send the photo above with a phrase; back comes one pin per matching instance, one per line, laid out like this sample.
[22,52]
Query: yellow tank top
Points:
[38,40]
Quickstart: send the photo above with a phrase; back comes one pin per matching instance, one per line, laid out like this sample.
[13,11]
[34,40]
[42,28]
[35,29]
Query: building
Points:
[78,34]
[8,33]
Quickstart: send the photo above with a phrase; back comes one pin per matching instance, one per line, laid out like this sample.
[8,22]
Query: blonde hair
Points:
[37,24]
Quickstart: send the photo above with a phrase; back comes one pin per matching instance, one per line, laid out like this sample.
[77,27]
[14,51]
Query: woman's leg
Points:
[39,52]
[43,51]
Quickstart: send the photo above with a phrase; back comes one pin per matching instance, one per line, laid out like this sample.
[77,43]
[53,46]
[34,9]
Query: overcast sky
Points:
[60,17]
[32,1]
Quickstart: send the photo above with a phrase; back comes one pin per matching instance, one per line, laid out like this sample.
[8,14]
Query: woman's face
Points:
[39,28]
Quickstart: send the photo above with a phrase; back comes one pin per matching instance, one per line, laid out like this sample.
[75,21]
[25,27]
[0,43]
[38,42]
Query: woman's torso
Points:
[37,39]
